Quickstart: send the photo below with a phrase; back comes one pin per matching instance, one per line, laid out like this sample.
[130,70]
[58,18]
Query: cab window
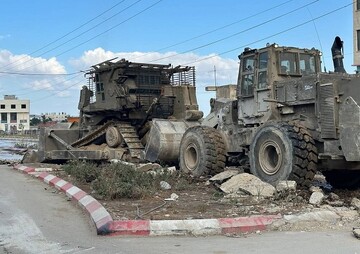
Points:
[288,63]
[262,74]
[247,78]
[307,64]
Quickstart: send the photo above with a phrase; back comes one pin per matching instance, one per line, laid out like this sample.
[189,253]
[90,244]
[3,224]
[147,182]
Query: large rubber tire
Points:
[282,151]
[202,151]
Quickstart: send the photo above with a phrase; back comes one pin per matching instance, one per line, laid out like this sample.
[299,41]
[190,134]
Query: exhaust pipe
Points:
[337,54]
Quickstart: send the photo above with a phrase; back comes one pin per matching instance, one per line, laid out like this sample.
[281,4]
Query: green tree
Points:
[34,121]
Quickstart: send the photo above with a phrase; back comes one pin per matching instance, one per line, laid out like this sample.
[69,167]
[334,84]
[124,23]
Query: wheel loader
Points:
[288,120]
[120,104]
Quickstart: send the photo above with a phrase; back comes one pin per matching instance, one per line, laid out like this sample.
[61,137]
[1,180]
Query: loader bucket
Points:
[164,139]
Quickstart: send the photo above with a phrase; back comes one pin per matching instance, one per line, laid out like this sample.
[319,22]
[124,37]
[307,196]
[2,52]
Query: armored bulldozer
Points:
[288,120]
[120,104]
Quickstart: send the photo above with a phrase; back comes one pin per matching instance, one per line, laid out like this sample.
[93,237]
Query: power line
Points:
[54,85]
[65,35]
[219,28]
[38,74]
[86,31]
[237,33]
[273,35]
[53,94]
[96,36]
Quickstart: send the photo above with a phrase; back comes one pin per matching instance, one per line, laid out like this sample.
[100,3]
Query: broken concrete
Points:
[355,202]
[248,184]
[165,186]
[286,186]
[148,166]
[316,198]
[356,232]
[224,175]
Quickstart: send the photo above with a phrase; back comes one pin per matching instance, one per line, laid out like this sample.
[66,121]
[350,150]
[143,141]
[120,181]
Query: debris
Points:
[333,197]
[321,215]
[356,232]
[315,189]
[286,186]
[355,202]
[171,170]
[162,171]
[316,198]
[148,166]
[173,197]
[249,184]
[224,175]
[165,186]
[123,162]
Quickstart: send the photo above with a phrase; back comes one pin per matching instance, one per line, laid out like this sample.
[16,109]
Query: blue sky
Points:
[66,37]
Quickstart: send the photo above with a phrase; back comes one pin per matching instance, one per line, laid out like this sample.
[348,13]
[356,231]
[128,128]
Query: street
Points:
[34,218]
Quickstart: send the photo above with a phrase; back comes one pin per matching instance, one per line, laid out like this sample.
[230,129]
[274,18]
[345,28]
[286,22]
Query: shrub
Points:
[123,181]
[83,171]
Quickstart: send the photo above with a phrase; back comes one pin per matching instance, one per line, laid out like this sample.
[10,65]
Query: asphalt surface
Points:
[34,218]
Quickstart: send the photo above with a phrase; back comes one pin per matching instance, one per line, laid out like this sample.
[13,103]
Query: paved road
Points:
[35,219]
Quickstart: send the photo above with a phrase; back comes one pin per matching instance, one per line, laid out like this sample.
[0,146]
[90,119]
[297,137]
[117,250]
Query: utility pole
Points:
[356,34]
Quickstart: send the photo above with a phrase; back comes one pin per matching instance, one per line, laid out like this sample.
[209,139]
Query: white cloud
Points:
[40,84]
[28,64]
[226,69]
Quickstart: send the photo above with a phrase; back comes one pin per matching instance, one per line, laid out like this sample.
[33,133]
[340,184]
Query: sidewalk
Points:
[105,225]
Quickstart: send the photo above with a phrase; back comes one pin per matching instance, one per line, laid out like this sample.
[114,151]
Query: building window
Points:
[23,121]
[13,106]
[13,117]
[358,39]
[357,5]
[3,117]
[2,106]
[23,105]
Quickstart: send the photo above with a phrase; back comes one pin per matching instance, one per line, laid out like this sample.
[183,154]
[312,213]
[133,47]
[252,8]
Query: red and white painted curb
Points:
[106,226]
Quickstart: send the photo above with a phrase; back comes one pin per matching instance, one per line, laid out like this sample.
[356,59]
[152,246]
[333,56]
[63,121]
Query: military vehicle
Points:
[289,119]
[117,108]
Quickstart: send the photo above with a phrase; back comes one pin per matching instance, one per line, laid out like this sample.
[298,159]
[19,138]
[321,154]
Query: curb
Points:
[106,226]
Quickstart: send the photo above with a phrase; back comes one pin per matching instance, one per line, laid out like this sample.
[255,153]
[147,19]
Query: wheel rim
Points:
[270,157]
[191,157]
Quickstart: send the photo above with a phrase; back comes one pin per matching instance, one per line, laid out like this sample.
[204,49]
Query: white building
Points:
[14,114]
[356,36]
[56,117]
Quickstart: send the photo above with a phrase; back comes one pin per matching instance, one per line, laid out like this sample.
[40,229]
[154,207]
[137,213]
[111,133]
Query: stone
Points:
[148,166]
[319,178]
[315,189]
[333,197]
[286,186]
[164,185]
[123,162]
[355,202]
[316,198]
[224,175]
[171,170]
[249,184]
[173,197]
[356,232]
[336,203]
